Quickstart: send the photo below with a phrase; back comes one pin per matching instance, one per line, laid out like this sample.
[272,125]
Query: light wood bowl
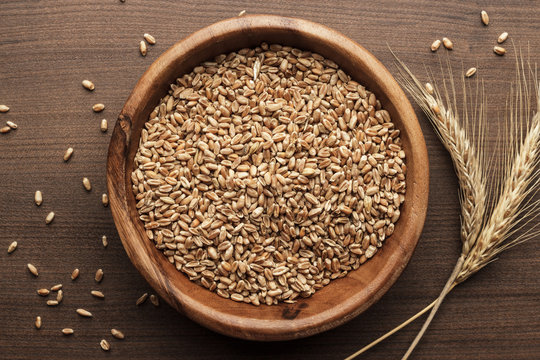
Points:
[342,299]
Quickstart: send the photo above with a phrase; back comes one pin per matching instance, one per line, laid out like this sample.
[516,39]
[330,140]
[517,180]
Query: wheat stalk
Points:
[487,226]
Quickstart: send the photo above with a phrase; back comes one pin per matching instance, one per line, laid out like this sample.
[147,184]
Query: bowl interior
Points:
[342,299]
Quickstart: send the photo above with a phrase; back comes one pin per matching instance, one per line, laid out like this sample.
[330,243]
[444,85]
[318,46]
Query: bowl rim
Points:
[237,326]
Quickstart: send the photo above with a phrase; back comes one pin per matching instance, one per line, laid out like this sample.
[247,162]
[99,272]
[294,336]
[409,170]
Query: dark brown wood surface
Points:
[48,47]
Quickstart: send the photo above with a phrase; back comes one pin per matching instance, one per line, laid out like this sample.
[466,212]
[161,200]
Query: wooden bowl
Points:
[342,299]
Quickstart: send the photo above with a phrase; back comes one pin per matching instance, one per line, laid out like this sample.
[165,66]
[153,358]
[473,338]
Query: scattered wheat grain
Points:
[154,300]
[68,153]
[485,18]
[142,299]
[448,43]
[142,48]
[32,269]
[105,199]
[38,198]
[86,183]
[75,274]
[50,217]
[99,275]
[499,50]
[105,345]
[150,39]
[97,293]
[12,247]
[99,107]
[84,313]
[87,84]
[117,334]
[470,72]
[502,38]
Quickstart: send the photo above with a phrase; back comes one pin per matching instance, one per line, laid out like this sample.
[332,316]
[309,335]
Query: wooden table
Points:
[48,47]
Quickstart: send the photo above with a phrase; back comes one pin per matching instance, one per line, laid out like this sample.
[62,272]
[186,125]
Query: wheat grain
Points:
[502,38]
[99,275]
[104,241]
[435,45]
[84,313]
[67,154]
[86,183]
[49,218]
[141,299]
[485,18]
[105,345]
[37,323]
[104,125]
[470,72]
[38,198]
[87,84]
[12,247]
[154,300]
[97,294]
[447,43]
[105,199]
[75,274]
[4,109]
[499,50]
[67,331]
[98,107]
[32,269]
[288,185]
[117,334]
[142,48]
[12,125]
[43,292]
[150,39]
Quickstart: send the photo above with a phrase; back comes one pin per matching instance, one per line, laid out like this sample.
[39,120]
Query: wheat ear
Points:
[468,165]
[522,182]
[484,237]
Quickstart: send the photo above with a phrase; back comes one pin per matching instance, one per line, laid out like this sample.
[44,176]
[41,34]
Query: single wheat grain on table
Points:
[266,173]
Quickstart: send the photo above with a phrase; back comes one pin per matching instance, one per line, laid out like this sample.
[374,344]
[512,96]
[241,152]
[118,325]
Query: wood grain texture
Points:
[48,47]
[343,299]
